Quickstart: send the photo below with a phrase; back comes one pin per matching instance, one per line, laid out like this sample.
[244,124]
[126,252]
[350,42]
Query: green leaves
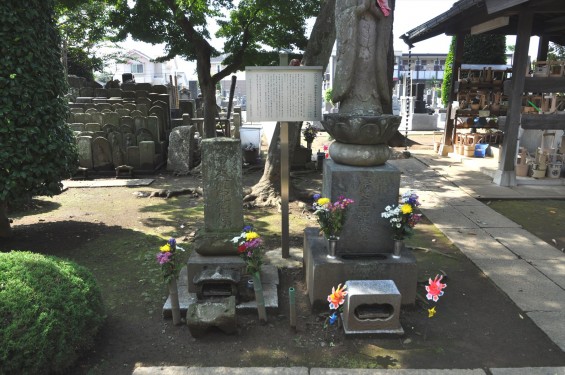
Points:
[36,145]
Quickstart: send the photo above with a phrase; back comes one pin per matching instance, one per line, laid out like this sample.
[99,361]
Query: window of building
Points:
[137,68]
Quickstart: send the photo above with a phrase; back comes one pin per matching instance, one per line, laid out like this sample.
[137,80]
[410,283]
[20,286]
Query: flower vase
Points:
[174,296]
[259,297]
[398,248]
[332,245]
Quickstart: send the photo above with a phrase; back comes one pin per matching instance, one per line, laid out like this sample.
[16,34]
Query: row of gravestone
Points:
[114,128]
[108,147]
[140,90]
[124,116]
[101,154]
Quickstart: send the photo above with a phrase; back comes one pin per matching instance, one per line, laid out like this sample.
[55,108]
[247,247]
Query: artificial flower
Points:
[431,312]
[434,288]
[323,201]
[337,298]
[333,318]
[165,248]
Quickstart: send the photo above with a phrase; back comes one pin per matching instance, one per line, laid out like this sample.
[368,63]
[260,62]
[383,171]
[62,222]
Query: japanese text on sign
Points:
[284,93]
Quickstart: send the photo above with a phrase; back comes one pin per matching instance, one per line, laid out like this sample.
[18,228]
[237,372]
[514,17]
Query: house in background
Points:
[145,70]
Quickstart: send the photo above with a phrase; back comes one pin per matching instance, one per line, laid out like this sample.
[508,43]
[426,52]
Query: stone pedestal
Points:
[198,263]
[372,189]
[323,273]
[372,306]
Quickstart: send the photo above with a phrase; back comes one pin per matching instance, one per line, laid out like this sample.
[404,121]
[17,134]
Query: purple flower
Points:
[247,228]
[172,242]
[316,197]
[256,242]
[164,257]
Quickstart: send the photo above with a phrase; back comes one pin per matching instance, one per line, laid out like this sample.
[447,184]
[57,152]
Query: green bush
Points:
[37,148]
[328,95]
[50,312]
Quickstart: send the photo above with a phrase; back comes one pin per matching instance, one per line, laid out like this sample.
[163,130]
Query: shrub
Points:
[50,312]
[37,148]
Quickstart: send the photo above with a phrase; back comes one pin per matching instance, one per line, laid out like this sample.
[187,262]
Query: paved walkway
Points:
[530,271]
[527,269]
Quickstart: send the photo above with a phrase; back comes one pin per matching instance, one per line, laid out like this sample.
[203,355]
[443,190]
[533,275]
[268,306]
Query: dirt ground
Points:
[116,233]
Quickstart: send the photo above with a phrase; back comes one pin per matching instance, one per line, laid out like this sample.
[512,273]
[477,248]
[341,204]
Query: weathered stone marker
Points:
[223,196]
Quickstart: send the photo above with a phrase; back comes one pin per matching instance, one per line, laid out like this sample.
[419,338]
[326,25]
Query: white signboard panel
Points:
[281,93]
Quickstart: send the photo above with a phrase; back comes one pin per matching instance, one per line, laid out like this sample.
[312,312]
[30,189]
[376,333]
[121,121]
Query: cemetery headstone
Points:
[84,145]
[101,154]
[223,195]
[180,150]
[146,155]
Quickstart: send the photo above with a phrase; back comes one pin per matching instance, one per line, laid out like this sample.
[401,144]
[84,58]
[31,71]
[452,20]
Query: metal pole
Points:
[285,180]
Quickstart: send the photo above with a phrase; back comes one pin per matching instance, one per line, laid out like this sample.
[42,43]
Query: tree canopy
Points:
[250,29]
[83,26]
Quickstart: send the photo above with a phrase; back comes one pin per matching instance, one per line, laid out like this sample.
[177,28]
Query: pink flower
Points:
[165,257]
[434,288]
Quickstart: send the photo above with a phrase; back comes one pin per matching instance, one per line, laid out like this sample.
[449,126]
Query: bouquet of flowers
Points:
[336,300]
[331,216]
[309,133]
[402,217]
[250,248]
[167,258]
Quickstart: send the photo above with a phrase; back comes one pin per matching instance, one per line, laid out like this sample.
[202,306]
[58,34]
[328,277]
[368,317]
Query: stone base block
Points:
[372,189]
[269,279]
[198,263]
[323,273]
[372,306]
[204,315]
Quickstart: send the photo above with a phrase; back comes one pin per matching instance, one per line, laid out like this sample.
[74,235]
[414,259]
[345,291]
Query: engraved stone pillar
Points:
[85,151]
[372,189]
[223,196]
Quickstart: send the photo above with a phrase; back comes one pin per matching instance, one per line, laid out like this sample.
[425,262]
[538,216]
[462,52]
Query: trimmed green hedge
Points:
[37,148]
[50,312]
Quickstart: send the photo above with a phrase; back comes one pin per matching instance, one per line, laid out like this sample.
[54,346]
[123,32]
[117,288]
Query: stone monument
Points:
[214,274]
[357,168]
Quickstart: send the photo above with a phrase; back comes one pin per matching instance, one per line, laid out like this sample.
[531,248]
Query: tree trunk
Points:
[318,52]
[266,192]
[322,39]
[5,229]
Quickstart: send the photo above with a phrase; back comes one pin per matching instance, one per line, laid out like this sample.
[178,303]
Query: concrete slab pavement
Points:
[529,270]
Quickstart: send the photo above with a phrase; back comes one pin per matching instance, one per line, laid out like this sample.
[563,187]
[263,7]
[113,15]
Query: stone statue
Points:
[361,84]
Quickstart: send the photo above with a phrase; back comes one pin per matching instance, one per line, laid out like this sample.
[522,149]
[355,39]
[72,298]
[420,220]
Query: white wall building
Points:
[145,70]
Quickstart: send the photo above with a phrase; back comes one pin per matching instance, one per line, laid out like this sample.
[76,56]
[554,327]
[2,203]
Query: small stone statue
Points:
[361,84]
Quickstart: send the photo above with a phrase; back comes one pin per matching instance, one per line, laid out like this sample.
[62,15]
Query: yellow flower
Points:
[251,235]
[406,208]
[323,201]
[431,312]
[165,248]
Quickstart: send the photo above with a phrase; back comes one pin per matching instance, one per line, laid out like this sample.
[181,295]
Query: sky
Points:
[407,15]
